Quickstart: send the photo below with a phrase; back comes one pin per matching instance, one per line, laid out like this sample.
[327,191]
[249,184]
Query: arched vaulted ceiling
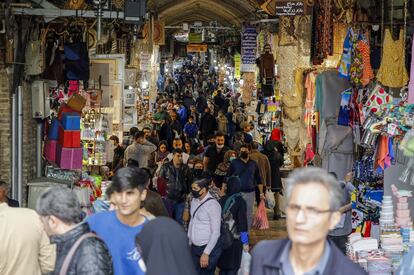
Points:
[225,12]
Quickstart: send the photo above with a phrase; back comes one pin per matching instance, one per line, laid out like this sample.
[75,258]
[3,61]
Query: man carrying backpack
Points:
[204,228]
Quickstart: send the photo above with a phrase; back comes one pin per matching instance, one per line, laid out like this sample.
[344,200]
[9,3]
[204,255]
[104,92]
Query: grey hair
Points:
[60,202]
[316,175]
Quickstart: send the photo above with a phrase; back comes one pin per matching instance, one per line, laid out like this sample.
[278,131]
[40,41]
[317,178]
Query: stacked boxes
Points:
[65,149]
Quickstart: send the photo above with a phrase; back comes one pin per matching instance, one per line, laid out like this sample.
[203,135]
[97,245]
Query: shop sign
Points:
[248,49]
[145,62]
[237,65]
[197,48]
[195,38]
[290,8]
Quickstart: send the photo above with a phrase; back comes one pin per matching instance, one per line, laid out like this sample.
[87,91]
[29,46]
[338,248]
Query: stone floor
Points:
[276,231]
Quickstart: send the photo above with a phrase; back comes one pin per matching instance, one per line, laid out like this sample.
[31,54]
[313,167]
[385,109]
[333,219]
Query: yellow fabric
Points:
[392,72]
[25,248]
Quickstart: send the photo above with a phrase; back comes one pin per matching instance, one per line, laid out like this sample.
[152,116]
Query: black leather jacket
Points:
[91,257]
[178,181]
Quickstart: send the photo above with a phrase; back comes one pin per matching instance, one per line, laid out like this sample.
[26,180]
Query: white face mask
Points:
[220,146]
[191,165]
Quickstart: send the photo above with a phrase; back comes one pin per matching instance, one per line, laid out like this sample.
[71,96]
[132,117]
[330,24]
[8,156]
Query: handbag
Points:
[270,199]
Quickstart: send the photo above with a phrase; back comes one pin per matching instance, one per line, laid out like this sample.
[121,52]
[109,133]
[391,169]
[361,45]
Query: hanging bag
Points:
[35,53]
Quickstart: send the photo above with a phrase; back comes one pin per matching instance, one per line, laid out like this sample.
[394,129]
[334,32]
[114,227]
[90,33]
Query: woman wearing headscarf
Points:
[220,174]
[274,151]
[235,216]
[163,245]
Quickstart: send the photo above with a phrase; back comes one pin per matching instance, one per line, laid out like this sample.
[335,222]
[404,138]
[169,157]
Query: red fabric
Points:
[69,139]
[276,135]
[162,187]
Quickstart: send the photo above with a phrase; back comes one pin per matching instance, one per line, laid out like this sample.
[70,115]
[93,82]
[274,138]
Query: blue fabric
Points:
[182,112]
[53,130]
[178,211]
[191,130]
[120,239]
[248,174]
[244,237]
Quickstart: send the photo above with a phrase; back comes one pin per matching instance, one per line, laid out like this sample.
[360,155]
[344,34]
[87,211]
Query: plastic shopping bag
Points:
[270,199]
[245,264]
[260,220]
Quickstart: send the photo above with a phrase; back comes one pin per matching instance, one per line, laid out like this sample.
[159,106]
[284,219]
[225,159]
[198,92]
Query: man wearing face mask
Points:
[178,178]
[248,172]
[204,228]
[215,154]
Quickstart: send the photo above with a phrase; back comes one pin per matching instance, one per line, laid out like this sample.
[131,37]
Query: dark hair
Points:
[132,131]
[203,183]
[163,142]
[220,134]
[132,163]
[114,138]
[254,145]
[245,145]
[139,134]
[129,178]
[177,151]
[192,117]
[146,128]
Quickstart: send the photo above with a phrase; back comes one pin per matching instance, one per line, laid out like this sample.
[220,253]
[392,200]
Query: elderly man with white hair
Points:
[314,198]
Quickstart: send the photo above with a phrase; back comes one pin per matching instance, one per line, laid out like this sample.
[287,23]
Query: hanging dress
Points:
[367,73]
[392,72]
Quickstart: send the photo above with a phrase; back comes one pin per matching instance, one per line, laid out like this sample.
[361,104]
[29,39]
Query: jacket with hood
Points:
[91,257]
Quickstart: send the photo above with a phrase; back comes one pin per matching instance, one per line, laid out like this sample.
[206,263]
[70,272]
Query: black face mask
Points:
[196,194]
[198,172]
[244,155]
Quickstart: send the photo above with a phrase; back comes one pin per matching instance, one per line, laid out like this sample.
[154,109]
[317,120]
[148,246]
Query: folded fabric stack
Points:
[387,212]
[379,265]
[403,215]
[392,242]
[363,244]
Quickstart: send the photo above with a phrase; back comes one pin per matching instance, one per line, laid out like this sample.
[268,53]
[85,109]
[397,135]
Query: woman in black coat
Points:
[275,153]
[234,214]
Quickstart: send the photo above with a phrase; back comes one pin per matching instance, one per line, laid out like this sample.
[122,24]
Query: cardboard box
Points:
[77,102]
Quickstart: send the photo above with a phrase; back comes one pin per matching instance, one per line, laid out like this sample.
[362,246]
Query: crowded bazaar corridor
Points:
[206,137]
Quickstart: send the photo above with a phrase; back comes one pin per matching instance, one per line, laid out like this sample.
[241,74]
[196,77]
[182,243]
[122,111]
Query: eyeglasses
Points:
[308,211]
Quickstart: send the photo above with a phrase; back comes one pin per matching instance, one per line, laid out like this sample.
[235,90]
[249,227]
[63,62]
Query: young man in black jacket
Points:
[313,202]
[61,215]
[178,178]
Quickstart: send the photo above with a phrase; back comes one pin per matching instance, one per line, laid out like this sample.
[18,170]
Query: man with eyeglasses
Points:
[313,198]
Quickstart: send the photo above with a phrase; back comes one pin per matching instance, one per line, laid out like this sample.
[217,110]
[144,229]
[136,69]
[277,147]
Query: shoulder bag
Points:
[71,253]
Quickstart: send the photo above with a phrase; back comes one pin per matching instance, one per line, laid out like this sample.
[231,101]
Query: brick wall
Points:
[5,127]
[29,134]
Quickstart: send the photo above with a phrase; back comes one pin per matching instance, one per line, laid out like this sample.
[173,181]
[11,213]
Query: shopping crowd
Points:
[182,199]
